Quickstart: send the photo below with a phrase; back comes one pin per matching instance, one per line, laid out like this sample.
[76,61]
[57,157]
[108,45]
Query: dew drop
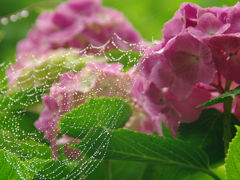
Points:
[13,18]
[4,21]
[24,13]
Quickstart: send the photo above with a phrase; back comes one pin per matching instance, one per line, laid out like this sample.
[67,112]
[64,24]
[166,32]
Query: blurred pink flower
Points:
[78,24]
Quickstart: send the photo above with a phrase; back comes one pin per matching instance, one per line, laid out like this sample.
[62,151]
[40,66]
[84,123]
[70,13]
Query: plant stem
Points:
[227,119]
[227,123]
[227,86]
[108,175]
[212,174]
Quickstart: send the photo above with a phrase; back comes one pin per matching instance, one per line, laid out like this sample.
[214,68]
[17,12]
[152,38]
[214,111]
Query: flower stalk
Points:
[108,175]
[227,119]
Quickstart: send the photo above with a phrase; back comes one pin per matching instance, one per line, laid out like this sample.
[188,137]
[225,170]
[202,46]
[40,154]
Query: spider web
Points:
[18,111]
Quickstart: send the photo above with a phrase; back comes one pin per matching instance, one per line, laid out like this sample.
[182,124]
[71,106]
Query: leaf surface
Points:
[108,113]
[222,98]
[233,158]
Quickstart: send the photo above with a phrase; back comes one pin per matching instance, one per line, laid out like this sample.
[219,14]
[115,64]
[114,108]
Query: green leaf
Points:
[219,170]
[53,170]
[222,98]
[21,124]
[49,71]
[166,131]
[102,112]
[126,144]
[26,149]
[12,167]
[120,170]
[134,146]
[13,115]
[166,172]
[21,100]
[127,58]
[233,158]
[3,79]
[207,133]
[153,172]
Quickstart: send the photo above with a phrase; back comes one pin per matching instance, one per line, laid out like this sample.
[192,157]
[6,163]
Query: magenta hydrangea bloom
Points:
[183,62]
[78,24]
[226,55]
[191,61]
[185,17]
[94,80]
[233,19]
[162,104]
[202,22]
[199,52]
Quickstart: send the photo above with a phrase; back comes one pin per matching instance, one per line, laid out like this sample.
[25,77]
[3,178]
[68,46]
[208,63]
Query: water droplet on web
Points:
[13,18]
[4,21]
[24,13]
[84,165]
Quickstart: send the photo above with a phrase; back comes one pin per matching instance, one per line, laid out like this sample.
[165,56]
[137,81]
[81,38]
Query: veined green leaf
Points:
[108,113]
[26,149]
[233,158]
[222,98]
[21,124]
[11,167]
[207,133]
[166,131]
[134,146]
[21,100]
[120,170]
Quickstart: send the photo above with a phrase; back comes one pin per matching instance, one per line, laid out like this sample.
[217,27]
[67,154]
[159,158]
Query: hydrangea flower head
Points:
[78,24]
[94,80]
[200,47]
[163,104]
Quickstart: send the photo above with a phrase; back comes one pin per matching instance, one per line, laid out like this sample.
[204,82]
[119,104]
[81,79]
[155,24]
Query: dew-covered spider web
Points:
[30,152]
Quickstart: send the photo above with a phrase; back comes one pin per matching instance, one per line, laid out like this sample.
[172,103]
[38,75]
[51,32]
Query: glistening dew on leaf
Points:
[46,69]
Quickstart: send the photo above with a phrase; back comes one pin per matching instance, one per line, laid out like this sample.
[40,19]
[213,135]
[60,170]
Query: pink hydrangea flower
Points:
[191,62]
[78,24]
[185,17]
[202,22]
[183,62]
[162,104]
[226,55]
[94,80]
[197,55]
[233,18]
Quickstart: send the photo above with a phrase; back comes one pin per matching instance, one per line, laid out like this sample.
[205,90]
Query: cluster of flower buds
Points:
[198,54]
